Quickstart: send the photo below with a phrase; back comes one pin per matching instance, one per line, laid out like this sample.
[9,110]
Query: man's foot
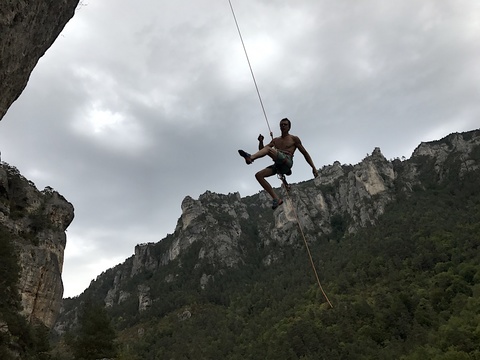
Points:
[246,156]
[276,203]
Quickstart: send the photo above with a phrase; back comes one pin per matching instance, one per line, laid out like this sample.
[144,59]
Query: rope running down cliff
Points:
[282,177]
[307,247]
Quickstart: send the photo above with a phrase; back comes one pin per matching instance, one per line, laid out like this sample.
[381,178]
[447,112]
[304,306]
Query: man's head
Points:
[285,123]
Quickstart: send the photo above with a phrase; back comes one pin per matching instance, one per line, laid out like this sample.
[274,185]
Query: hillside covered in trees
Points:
[406,287]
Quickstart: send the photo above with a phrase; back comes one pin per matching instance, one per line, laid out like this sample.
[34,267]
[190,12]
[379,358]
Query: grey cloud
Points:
[172,84]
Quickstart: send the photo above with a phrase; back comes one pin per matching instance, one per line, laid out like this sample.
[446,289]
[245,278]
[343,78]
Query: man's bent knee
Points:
[264,173]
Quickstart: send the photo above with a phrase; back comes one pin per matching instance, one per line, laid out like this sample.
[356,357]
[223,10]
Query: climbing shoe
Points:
[246,156]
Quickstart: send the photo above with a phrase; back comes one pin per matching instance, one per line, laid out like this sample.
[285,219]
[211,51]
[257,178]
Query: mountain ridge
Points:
[343,199]
[395,244]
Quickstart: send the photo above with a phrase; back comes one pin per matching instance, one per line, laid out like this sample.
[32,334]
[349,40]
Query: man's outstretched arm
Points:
[307,156]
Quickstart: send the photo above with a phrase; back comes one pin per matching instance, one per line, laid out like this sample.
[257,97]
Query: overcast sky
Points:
[141,103]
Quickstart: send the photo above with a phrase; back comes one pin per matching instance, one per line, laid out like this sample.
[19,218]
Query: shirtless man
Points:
[281,150]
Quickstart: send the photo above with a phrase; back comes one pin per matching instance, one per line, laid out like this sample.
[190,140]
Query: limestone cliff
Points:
[217,232]
[39,220]
[27,29]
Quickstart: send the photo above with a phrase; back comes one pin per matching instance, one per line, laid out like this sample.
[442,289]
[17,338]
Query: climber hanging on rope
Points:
[281,150]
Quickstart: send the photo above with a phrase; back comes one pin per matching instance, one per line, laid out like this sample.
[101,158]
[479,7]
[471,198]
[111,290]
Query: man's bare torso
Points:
[287,143]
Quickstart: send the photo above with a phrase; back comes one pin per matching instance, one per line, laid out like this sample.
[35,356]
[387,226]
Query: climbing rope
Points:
[281,177]
[251,69]
[306,245]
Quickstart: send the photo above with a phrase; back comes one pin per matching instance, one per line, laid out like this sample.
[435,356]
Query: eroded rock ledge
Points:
[39,220]
[27,29]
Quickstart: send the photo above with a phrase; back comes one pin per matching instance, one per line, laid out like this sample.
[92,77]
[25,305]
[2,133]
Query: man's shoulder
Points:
[295,138]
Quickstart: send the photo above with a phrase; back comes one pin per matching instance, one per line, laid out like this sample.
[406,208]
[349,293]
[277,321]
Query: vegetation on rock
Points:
[407,287]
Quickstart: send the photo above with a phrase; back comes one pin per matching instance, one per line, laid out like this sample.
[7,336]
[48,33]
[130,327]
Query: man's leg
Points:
[267,150]
[260,176]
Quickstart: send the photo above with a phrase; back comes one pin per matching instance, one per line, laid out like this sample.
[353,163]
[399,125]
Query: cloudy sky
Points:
[141,103]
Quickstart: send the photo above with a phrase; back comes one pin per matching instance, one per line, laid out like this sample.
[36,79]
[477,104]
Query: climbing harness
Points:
[280,176]
[284,182]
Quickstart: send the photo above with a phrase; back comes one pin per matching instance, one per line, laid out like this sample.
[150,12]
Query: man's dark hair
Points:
[289,122]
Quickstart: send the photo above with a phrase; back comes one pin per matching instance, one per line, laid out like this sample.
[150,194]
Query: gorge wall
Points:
[27,29]
[217,232]
[38,219]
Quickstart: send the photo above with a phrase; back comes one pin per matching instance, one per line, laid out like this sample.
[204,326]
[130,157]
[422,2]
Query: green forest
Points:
[407,288]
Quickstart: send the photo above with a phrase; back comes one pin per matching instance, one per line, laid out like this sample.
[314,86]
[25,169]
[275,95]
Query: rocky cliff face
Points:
[39,219]
[340,201]
[27,29]
[462,147]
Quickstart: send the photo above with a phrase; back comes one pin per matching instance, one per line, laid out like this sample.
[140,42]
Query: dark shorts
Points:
[283,164]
